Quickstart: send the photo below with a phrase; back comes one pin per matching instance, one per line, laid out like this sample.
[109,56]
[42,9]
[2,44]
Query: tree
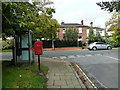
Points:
[20,16]
[71,34]
[110,6]
[113,23]
[113,26]
[113,20]
[91,36]
[17,17]
[46,27]
[98,36]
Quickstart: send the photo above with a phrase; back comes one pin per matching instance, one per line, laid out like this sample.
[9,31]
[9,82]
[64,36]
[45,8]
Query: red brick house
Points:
[80,28]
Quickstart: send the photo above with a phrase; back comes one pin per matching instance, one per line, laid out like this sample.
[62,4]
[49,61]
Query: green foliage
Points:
[2,35]
[114,43]
[23,76]
[83,44]
[113,20]
[6,44]
[71,34]
[116,34]
[16,16]
[46,28]
[110,6]
[92,37]
[98,36]
[7,50]
[114,7]
[114,26]
[20,16]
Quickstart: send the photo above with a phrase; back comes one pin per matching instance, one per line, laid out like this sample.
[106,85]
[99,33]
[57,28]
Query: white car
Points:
[99,45]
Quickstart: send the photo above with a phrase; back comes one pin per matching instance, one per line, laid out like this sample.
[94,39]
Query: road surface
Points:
[101,65]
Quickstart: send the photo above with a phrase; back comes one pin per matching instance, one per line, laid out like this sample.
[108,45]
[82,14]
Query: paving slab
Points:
[61,74]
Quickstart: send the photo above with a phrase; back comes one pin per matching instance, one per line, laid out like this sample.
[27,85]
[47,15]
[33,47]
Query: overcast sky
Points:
[73,11]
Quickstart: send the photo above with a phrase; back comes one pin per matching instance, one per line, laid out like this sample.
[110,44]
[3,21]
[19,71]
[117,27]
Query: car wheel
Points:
[109,48]
[94,48]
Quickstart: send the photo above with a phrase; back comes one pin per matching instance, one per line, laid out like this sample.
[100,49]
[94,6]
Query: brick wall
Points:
[60,34]
[83,34]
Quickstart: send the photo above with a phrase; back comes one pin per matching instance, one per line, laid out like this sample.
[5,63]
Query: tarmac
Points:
[61,74]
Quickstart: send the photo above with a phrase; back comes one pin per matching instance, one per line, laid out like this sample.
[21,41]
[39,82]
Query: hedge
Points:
[60,43]
[114,43]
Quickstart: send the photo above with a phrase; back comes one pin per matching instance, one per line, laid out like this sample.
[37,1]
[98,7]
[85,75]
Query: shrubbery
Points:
[114,43]
[6,44]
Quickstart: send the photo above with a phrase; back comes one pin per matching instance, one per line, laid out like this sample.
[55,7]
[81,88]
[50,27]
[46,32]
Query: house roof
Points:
[63,25]
[98,28]
[72,25]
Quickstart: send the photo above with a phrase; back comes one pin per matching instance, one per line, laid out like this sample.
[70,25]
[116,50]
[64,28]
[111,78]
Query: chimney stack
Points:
[91,24]
[82,22]
[62,22]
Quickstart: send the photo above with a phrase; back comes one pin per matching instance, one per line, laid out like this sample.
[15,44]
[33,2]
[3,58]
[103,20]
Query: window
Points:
[100,43]
[79,30]
[64,30]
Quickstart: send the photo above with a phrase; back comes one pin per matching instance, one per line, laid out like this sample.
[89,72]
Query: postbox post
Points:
[39,62]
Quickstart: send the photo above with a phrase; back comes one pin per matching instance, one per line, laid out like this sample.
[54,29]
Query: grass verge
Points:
[23,76]
[7,50]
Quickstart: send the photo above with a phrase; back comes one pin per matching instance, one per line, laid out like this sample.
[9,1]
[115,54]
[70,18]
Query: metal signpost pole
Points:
[39,62]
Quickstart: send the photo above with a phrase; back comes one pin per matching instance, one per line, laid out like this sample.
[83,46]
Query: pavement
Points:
[61,74]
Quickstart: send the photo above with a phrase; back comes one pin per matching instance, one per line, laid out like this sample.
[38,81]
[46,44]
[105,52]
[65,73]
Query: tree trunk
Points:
[53,47]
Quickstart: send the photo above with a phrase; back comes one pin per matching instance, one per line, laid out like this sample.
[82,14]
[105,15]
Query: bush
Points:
[6,44]
[114,43]
[83,44]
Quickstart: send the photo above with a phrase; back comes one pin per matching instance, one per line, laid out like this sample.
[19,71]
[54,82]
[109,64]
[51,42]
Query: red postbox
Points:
[38,49]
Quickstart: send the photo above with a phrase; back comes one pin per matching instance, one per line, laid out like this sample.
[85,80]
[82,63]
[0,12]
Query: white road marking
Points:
[63,57]
[71,56]
[80,56]
[88,55]
[98,54]
[55,57]
[113,58]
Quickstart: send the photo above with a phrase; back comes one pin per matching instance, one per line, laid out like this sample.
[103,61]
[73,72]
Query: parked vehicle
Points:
[99,45]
